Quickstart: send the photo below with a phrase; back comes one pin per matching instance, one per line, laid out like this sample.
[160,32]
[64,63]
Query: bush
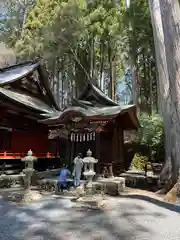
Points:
[140,162]
[151,135]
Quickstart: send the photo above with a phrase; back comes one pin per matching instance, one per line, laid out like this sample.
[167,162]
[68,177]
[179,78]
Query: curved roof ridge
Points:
[103,95]
[21,64]
[16,72]
[90,86]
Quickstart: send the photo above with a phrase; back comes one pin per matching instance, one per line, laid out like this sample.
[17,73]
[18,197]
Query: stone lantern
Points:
[29,168]
[90,199]
[27,195]
[89,172]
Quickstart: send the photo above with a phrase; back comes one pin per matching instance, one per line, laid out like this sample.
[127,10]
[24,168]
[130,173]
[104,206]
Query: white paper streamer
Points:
[84,137]
[71,137]
[94,135]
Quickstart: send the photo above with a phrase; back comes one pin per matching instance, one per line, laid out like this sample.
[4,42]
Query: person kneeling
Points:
[63,179]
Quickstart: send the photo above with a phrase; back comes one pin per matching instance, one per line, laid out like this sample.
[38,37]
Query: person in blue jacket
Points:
[63,178]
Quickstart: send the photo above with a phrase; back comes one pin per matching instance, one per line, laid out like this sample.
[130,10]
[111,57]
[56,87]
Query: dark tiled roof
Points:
[104,112]
[27,101]
[93,103]
[16,72]
[19,71]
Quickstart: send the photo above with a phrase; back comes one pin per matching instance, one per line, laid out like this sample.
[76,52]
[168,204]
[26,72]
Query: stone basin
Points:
[111,186]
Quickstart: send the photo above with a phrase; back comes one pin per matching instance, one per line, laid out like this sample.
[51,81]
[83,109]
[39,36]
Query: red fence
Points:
[10,155]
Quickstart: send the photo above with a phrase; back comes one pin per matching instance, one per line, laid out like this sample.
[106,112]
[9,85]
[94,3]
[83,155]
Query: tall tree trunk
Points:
[114,80]
[110,71]
[58,81]
[135,85]
[144,103]
[81,70]
[150,87]
[170,12]
[24,17]
[163,77]
[158,100]
[101,63]
[62,83]
[92,57]
[54,69]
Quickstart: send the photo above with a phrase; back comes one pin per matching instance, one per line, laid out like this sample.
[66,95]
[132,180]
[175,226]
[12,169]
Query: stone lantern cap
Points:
[89,153]
[89,158]
[29,157]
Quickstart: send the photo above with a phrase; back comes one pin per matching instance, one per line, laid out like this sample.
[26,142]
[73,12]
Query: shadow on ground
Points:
[57,219]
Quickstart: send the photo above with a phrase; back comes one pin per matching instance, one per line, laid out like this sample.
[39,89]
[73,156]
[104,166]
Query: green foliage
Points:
[84,37]
[139,162]
[7,56]
[13,18]
[50,27]
[151,134]
[138,49]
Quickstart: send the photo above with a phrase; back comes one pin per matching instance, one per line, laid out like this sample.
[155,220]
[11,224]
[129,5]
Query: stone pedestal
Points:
[24,197]
[110,186]
[93,202]
[30,196]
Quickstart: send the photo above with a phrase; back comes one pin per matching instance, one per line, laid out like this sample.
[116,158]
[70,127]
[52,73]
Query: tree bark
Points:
[101,63]
[58,81]
[170,12]
[114,80]
[150,88]
[163,78]
[110,71]
[92,60]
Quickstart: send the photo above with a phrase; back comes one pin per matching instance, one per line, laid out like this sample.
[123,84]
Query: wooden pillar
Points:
[71,149]
[114,144]
[98,153]
[118,150]
[121,148]
[115,148]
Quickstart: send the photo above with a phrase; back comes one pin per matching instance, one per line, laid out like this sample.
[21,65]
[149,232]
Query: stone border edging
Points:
[153,200]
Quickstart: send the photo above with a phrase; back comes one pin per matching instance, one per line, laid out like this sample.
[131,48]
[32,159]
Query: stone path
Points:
[56,219]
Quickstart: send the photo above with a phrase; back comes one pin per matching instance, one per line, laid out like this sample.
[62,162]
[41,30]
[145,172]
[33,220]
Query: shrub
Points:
[140,162]
[151,135]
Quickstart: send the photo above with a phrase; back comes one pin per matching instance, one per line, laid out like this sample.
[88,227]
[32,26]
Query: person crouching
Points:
[63,179]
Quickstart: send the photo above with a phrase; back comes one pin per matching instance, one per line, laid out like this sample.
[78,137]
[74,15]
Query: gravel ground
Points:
[56,219]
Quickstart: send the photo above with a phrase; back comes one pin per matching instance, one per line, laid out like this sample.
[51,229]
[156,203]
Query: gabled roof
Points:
[93,104]
[94,94]
[17,72]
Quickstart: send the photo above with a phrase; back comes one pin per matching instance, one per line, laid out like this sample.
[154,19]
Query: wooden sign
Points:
[76,119]
[62,133]
[99,122]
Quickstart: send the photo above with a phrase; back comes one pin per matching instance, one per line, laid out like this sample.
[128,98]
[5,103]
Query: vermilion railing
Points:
[10,155]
